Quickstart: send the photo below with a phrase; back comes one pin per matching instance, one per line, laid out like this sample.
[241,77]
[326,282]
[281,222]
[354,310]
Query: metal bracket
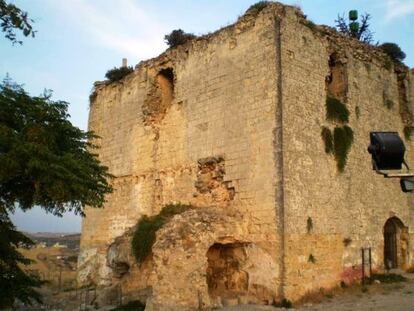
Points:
[393,175]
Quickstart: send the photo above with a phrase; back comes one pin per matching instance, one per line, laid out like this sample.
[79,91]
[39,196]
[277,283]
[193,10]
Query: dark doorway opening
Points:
[395,243]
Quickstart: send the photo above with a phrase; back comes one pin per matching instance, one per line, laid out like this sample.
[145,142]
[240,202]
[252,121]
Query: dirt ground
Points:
[378,297]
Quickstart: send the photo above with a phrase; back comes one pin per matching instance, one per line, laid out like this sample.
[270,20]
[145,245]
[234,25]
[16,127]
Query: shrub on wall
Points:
[327,139]
[147,227]
[393,51]
[178,37]
[117,74]
[336,110]
[256,8]
[343,139]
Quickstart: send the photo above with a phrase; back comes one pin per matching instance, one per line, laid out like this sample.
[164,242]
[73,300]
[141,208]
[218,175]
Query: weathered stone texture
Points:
[231,126]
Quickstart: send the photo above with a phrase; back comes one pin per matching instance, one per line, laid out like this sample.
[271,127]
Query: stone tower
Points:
[231,123]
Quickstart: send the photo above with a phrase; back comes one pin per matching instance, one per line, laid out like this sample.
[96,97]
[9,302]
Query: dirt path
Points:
[379,297]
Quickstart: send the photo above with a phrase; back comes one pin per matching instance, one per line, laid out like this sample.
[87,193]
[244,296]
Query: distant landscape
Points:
[71,240]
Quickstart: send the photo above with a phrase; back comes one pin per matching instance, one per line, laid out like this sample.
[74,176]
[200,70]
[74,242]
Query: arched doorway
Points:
[395,243]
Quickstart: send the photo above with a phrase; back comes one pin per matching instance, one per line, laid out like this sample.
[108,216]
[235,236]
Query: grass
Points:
[284,303]
[327,139]
[343,139]
[134,305]
[145,234]
[336,110]
[388,278]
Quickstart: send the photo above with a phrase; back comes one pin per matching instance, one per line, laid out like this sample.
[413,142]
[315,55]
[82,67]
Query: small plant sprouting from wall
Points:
[343,139]
[388,103]
[147,227]
[312,259]
[347,241]
[309,225]
[327,139]
[310,24]
[92,96]
[408,132]
[357,112]
[336,110]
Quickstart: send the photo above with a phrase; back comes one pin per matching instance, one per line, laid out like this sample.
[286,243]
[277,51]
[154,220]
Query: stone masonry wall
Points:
[231,124]
[331,215]
[223,107]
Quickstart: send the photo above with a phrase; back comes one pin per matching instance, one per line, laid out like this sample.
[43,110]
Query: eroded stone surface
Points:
[236,133]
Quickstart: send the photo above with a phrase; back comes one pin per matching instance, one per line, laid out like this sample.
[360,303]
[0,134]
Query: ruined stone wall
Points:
[206,140]
[231,124]
[330,215]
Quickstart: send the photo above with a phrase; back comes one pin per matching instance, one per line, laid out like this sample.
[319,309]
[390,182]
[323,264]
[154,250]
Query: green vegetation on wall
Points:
[309,225]
[336,111]
[311,258]
[178,37]
[327,139]
[256,8]
[408,132]
[343,139]
[147,227]
[116,74]
[357,112]
[388,103]
[134,305]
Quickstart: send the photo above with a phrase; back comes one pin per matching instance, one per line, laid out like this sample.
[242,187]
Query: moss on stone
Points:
[336,110]
[147,227]
[343,139]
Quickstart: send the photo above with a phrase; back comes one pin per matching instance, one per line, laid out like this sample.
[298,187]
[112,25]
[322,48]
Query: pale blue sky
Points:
[79,40]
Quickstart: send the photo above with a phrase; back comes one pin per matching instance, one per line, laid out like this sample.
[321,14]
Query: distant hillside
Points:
[71,240]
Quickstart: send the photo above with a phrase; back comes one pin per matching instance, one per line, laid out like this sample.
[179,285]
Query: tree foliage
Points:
[45,161]
[178,37]
[362,33]
[11,19]
[393,51]
[14,281]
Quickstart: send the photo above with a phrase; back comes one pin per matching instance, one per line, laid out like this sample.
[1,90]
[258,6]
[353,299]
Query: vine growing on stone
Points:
[145,233]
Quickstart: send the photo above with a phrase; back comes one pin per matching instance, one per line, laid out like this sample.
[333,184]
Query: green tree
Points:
[47,162]
[14,281]
[360,31]
[178,37]
[11,19]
